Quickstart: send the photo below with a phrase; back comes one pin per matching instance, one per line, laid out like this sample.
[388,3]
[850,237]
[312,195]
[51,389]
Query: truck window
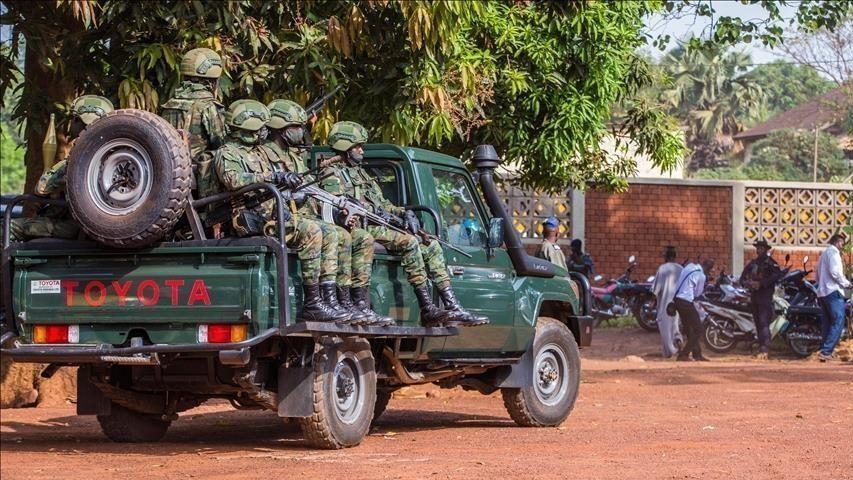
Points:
[386,175]
[463,224]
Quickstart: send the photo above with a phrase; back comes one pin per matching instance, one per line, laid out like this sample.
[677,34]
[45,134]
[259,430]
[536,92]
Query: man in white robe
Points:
[663,287]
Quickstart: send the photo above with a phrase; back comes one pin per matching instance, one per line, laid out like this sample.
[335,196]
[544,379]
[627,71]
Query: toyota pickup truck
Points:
[158,329]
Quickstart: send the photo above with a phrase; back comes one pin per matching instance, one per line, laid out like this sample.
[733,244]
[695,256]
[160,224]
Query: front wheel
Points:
[556,379]
[720,333]
[129,426]
[344,395]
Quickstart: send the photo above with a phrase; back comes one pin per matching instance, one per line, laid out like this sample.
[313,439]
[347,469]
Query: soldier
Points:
[346,139]
[284,150]
[237,165]
[56,221]
[195,110]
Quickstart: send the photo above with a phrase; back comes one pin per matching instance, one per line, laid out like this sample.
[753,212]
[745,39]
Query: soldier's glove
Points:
[413,225]
[288,180]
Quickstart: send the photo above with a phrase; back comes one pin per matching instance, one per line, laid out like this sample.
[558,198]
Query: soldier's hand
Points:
[413,225]
[288,180]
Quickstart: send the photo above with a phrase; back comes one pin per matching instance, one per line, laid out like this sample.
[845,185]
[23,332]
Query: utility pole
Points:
[814,162]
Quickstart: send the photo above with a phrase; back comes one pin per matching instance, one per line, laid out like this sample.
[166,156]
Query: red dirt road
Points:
[636,417]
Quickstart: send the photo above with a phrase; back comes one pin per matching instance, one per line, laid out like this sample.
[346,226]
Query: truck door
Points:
[483,285]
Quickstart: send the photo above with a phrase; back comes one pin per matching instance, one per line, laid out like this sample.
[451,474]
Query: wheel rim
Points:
[714,334]
[550,375]
[348,390]
[119,177]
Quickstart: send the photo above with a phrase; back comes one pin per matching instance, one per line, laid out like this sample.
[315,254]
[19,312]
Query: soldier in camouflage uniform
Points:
[284,152]
[419,261]
[238,165]
[56,221]
[195,110]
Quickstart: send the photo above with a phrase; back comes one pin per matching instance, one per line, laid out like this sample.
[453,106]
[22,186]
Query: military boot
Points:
[458,315]
[330,297]
[431,316]
[361,300]
[315,310]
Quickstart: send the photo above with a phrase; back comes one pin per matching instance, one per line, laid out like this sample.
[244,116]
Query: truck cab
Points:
[159,329]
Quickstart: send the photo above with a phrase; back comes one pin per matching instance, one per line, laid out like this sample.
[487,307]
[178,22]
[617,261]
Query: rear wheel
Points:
[382,399]
[344,395]
[719,333]
[804,339]
[129,426]
[644,309]
[556,379]
[129,179]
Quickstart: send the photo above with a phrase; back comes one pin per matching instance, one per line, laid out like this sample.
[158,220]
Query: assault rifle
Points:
[353,208]
[317,104]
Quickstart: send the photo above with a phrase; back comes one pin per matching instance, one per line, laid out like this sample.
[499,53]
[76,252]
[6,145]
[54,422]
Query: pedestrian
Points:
[579,261]
[830,295]
[691,284]
[548,249]
[663,286]
[420,262]
[760,277]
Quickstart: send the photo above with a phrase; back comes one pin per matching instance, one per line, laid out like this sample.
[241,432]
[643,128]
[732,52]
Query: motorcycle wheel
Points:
[802,347]
[719,334]
[645,311]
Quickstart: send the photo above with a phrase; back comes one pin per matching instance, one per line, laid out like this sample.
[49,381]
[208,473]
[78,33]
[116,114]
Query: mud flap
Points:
[295,391]
[90,399]
[518,375]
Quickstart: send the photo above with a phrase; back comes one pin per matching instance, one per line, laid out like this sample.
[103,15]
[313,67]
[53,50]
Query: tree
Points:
[826,51]
[787,155]
[787,85]
[711,92]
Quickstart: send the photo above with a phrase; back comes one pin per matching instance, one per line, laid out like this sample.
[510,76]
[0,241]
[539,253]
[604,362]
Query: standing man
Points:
[346,139]
[195,110]
[52,220]
[830,294]
[549,250]
[237,166]
[691,284]
[760,277]
[579,261]
[663,286]
[284,151]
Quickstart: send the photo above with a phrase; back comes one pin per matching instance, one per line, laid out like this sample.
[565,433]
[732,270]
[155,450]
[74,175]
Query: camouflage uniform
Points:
[194,109]
[55,221]
[237,165]
[419,262]
[271,158]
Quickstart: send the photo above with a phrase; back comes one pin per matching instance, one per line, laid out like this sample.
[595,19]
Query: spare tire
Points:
[128,178]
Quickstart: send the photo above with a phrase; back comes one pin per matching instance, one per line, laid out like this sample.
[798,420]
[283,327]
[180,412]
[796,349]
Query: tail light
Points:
[56,334]
[222,332]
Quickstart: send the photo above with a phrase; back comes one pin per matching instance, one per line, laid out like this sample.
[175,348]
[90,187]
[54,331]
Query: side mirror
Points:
[496,232]
[598,278]
[631,259]
[805,260]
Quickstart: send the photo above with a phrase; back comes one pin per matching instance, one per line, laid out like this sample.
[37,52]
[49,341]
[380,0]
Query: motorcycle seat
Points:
[602,290]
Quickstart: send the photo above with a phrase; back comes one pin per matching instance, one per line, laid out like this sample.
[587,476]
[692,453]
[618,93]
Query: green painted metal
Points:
[168,291]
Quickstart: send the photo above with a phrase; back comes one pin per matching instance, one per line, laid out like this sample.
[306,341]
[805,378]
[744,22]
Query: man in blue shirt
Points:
[691,285]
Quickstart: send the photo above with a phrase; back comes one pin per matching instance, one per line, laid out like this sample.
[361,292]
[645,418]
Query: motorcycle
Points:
[624,296]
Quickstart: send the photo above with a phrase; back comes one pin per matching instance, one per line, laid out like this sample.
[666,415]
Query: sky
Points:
[682,27]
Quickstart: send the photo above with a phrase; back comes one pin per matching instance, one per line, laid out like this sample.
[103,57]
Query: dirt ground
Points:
[637,416]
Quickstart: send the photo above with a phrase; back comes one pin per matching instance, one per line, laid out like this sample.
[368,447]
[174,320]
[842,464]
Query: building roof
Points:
[816,112]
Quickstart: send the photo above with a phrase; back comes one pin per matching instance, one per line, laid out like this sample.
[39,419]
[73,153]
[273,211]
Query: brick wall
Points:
[694,218]
[796,260]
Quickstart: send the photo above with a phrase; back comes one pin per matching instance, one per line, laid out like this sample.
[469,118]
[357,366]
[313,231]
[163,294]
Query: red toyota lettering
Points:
[198,293]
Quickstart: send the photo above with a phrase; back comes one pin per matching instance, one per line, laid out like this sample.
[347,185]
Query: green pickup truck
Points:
[159,329]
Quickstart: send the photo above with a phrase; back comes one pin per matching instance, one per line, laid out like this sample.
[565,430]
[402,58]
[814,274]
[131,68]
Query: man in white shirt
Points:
[830,294]
[663,286]
[691,284]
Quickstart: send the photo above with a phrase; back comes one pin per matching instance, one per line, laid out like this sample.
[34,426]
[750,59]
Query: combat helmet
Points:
[284,113]
[247,115]
[345,135]
[89,108]
[201,62]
